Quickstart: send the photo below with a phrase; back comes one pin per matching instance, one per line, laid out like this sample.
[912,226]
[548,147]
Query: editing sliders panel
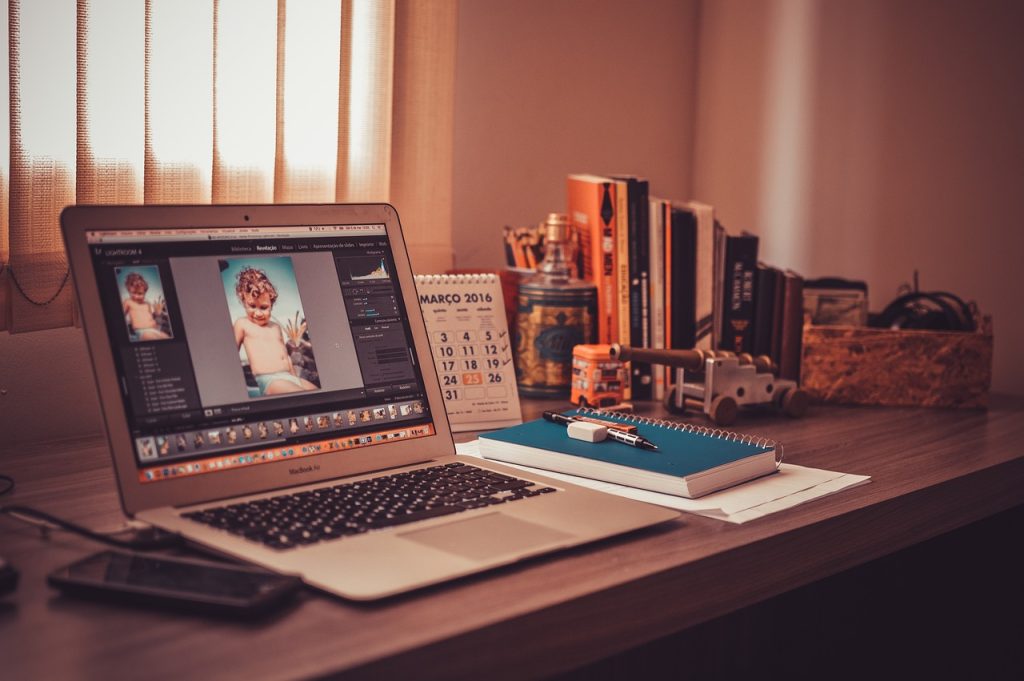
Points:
[270,432]
[305,449]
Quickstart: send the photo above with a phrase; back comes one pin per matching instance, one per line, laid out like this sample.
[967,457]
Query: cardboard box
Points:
[861,365]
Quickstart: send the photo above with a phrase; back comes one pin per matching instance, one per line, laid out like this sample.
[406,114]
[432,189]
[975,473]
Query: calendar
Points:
[472,349]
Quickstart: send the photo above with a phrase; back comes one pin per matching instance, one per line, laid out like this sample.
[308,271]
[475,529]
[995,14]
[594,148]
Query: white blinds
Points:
[198,101]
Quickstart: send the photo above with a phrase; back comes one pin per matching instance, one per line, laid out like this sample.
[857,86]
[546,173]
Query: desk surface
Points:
[932,471]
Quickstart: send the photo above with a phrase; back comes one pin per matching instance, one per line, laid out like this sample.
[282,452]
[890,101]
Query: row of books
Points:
[669,275]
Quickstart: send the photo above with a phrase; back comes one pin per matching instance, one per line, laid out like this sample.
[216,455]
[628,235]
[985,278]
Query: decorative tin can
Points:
[555,313]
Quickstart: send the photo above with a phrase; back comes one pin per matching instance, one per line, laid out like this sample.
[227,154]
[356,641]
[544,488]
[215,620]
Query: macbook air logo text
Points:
[299,470]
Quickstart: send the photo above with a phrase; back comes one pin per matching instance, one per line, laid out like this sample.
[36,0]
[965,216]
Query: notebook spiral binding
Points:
[485,278]
[691,428]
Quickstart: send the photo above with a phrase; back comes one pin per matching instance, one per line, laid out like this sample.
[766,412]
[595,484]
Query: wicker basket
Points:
[858,365]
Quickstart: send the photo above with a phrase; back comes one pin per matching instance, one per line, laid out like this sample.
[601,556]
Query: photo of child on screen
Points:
[270,349]
[144,309]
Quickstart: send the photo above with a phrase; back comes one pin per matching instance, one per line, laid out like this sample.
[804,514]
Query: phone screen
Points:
[175,576]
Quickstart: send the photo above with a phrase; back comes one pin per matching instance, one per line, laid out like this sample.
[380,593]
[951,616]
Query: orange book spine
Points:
[591,208]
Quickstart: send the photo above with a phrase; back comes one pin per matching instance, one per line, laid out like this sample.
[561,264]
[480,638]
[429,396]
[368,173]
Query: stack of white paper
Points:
[791,486]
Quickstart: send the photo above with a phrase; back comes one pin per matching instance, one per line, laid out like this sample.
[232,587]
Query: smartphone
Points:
[178,583]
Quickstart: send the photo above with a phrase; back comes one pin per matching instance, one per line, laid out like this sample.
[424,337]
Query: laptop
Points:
[268,392]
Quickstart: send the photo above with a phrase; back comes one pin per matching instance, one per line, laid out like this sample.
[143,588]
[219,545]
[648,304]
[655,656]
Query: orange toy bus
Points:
[597,379]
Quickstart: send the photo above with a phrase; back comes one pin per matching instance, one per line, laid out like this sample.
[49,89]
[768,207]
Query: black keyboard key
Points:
[506,486]
[404,518]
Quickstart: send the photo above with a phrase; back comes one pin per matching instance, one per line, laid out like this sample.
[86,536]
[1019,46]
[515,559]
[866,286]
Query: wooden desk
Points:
[932,470]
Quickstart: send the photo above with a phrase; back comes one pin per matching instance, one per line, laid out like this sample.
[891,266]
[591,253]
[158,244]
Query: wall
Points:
[546,88]
[869,139]
[859,139]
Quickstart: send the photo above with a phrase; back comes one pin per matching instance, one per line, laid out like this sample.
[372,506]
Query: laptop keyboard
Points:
[302,518]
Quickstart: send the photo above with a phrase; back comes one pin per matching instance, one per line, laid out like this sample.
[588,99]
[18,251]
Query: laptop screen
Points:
[241,346]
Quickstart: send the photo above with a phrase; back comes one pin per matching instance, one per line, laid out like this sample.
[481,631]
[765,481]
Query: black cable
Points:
[24,294]
[158,539]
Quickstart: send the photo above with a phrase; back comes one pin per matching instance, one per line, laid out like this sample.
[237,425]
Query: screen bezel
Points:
[138,496]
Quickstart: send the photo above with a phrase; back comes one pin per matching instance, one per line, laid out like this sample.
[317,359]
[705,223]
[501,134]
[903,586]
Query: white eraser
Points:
[588,432]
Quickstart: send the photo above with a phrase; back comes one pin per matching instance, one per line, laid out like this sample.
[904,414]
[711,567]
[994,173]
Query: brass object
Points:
[555,312]
[548,325]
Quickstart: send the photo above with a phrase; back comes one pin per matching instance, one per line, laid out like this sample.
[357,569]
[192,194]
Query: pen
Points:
[637,441]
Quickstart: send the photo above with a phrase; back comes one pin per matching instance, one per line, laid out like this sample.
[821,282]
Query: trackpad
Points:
[487,536]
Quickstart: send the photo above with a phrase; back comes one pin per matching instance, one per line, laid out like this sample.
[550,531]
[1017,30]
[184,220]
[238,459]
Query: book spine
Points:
[792,327]
[718,278]
[670,302]
[608,261]
[656,243]
[738,302]
[633,248]
[591,208]
[621,261]
[684,234]
[764,305]
[778,305]
[621,274]
[638,248]
[705,276]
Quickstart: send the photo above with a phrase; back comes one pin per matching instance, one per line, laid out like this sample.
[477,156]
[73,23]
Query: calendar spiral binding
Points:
[692,428]
[483,278]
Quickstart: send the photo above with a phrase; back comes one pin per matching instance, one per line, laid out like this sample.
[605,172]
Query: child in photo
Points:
[140,312]
[278,428]
[322,422]
[262,429]
[146,448]
[308,422]
[293,426]
[247,431]
[263,338]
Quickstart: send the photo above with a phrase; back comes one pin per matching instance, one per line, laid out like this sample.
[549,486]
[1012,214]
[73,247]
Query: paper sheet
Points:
[791,486]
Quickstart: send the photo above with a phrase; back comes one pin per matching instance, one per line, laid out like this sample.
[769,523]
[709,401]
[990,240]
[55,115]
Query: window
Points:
[223,101]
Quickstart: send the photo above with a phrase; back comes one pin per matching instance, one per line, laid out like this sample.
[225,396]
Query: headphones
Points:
[938,311]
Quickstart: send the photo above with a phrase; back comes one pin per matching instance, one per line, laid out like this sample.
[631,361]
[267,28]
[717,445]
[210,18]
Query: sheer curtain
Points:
[222,101]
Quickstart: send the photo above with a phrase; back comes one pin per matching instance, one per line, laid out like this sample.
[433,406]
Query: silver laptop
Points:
[268,391]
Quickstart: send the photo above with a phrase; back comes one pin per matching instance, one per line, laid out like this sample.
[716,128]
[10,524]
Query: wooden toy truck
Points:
[719,382]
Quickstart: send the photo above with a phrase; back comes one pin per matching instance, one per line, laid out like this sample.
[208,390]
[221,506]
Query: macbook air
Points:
[268,393]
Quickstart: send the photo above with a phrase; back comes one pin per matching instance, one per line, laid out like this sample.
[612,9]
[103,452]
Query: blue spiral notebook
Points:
[692,460]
